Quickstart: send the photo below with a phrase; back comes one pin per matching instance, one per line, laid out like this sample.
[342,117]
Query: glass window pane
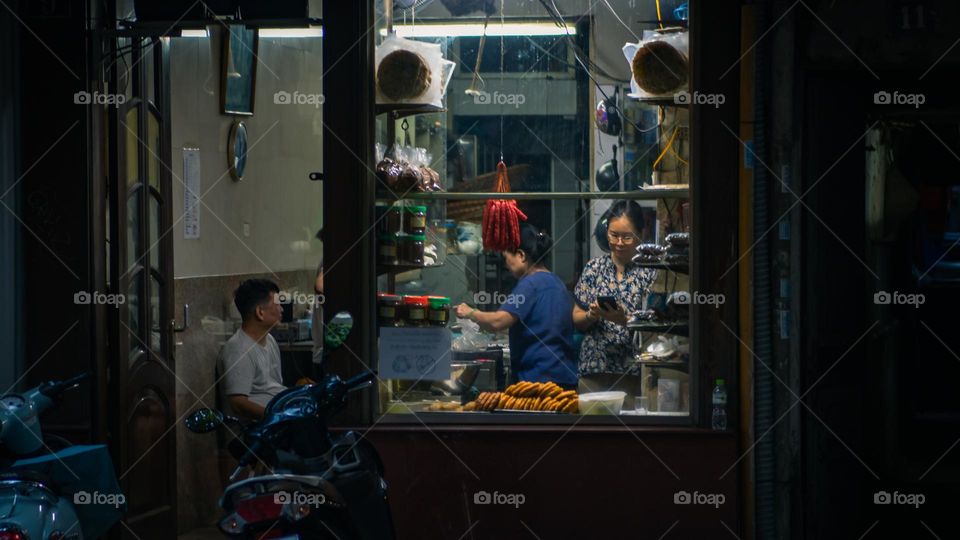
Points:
[154,234]
[134,294]
[153,155]
[133,229]
[155,322]
[133,146]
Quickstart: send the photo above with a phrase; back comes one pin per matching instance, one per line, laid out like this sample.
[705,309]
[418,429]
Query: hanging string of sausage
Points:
[501,217]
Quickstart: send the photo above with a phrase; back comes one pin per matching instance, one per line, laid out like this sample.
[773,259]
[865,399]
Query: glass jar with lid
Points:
[388,249]
[412,249]
[388,309]
[438,313]
[415,220]
[415,308]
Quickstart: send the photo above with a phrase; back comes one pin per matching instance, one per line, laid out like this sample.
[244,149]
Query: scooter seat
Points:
[27,475]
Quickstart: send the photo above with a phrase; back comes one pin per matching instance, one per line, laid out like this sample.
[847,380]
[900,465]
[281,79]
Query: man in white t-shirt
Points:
[249,362]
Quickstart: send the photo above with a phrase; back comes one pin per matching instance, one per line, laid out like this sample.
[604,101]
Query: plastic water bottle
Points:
[719,419]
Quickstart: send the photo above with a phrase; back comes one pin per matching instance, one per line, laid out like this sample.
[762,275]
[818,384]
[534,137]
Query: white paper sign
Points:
[415,353]
[191,194]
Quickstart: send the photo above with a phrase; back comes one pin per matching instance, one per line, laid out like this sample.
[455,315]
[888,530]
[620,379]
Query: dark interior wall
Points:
[861,434]
[53,219]
[9,305]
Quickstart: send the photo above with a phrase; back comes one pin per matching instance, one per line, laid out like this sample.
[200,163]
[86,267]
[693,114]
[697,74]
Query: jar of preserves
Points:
[388,309]
[415,310]
[388,249]
[412,248]
[415,220]
[393,219]
[439,312]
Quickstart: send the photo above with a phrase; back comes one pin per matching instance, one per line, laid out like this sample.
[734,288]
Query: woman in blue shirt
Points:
[538,314]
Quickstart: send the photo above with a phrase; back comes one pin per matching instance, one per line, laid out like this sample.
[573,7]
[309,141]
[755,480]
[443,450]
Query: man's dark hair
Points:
[252,293]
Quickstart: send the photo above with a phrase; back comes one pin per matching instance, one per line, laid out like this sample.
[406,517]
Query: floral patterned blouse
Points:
[607,347]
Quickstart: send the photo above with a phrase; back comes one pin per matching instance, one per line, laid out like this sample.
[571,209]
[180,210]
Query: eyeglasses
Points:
[624,238]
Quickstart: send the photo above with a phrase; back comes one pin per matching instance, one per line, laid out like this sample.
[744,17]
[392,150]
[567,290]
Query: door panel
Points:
[143,367]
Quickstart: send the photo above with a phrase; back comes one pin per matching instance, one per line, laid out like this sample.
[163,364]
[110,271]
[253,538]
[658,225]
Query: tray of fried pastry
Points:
[528,397]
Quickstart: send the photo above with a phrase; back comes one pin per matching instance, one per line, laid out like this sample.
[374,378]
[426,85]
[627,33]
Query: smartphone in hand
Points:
[608,303]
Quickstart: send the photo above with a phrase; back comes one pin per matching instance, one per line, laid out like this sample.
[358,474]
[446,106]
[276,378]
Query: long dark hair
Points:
[620,208]
[535,243]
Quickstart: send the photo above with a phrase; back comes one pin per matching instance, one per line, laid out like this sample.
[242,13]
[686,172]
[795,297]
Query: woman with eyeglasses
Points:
[610,287]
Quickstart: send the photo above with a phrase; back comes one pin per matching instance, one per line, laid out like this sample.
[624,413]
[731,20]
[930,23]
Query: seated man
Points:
[249,363]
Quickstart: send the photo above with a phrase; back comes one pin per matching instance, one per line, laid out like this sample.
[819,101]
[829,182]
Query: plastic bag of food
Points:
[411,72]
[658,63]
[471,338]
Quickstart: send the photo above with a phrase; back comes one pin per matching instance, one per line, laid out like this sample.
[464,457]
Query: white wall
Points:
[281,206]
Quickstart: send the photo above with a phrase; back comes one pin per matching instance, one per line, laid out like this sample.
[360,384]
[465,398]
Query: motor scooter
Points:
[49,488]
[320,485]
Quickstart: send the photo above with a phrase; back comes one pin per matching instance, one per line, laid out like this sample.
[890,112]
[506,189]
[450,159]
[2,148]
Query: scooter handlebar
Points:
[360,381]
[53,389]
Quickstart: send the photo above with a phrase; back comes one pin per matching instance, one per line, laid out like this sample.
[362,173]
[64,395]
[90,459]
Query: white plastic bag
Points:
[673,66]
[471,339]
[424,73]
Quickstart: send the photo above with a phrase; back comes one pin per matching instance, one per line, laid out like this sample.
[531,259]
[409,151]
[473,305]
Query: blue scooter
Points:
[50,489]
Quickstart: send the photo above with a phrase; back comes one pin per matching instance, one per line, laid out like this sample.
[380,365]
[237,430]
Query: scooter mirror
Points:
[337,330]
[204,420]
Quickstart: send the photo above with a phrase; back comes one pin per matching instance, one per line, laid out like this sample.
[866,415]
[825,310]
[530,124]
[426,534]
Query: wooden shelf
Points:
[677,328]
[639,194]
[670,267]
[399,268]
[400,110]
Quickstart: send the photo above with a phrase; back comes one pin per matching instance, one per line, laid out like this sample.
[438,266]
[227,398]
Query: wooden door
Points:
[143,409]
